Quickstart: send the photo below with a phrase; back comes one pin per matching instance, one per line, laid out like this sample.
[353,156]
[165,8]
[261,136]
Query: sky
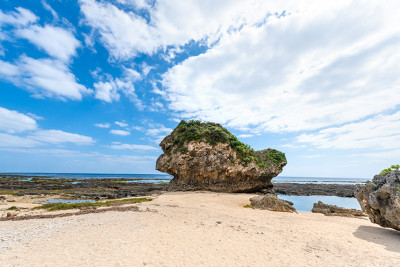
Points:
[94,86]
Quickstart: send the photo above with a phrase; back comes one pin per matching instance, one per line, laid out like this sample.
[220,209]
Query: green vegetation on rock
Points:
[213,134]
[389,170]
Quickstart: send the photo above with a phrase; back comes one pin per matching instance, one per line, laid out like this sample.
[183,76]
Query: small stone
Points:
[12,213]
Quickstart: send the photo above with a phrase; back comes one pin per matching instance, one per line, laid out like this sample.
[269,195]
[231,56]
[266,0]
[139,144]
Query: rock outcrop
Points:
[271,202]
[333,210]
[380,199]
[206,156]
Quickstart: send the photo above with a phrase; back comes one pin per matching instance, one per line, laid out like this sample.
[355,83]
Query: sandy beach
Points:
[198,229]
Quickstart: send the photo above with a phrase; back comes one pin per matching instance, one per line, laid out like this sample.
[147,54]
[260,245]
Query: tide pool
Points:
[305,203]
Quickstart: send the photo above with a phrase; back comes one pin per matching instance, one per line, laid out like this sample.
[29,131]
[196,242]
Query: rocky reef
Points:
[380,199]
[333,210]
[271,202]
[206,156]
[295,189]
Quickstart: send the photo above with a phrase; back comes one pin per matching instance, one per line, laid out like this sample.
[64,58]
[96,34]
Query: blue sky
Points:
[94,86]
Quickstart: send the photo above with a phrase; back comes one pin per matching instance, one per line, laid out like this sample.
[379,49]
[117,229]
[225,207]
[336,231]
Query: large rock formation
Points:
[206,156]
[380,199]
[271,202]
[333,210]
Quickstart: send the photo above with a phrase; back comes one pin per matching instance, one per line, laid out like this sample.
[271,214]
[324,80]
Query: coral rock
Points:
[206,156]
[333,210]
[271,202]
[380,199]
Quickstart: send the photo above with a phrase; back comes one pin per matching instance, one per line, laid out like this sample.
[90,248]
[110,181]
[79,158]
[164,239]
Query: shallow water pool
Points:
[305,203]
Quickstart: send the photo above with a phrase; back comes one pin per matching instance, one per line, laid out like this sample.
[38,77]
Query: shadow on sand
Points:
[382,236]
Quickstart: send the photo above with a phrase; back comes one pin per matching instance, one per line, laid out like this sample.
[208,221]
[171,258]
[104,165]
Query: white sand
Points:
[198,229]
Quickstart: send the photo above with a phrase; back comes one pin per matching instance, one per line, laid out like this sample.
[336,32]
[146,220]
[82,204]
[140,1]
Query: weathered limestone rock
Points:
[271,202]
[380,199]
[333,210]
[206,156]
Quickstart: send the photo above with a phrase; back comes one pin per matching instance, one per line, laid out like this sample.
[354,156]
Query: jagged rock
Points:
[333,210]
[271,202]
[206,156]
[380,199]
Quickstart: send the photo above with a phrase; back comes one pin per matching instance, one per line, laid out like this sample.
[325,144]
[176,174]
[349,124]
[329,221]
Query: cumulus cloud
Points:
[125,33]
[120,132]
[56,41]
[296,71]
[58,137]
[102,125]
[107,88]
[12,121]
[133,147]
[43,77]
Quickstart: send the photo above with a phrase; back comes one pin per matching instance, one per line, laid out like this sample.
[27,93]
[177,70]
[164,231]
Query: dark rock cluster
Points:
[333,210]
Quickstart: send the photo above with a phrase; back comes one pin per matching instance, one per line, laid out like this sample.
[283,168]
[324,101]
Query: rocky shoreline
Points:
[295,189]
[121,187]
[107,188]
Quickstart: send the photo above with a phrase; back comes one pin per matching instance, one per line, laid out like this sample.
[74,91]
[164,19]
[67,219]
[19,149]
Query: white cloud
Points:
[120,132]
[107,89]
[133,147]
[303,71]
[102,125]
[21,18]
[12,121]
[58,137]
[157,129]
[245,135]
[44,77]
[50,9]
[56,41]
[8,140]
[121,124]
[379,132]
[34,116]
[172,23]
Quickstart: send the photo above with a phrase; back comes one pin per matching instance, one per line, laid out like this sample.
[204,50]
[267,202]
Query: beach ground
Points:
[198,229]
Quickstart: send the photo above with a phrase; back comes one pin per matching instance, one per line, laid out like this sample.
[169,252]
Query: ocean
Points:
[151,178]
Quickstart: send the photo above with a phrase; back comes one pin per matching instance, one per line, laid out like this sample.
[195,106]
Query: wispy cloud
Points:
[102,125]
[121,124]
[12,121]
[120,132]
[58,137]
[133,147]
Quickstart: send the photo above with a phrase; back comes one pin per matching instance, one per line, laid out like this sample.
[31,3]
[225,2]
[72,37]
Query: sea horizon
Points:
[163,176]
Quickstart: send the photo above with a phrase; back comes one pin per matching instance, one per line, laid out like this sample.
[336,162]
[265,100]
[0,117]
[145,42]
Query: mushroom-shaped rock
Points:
[206,156]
